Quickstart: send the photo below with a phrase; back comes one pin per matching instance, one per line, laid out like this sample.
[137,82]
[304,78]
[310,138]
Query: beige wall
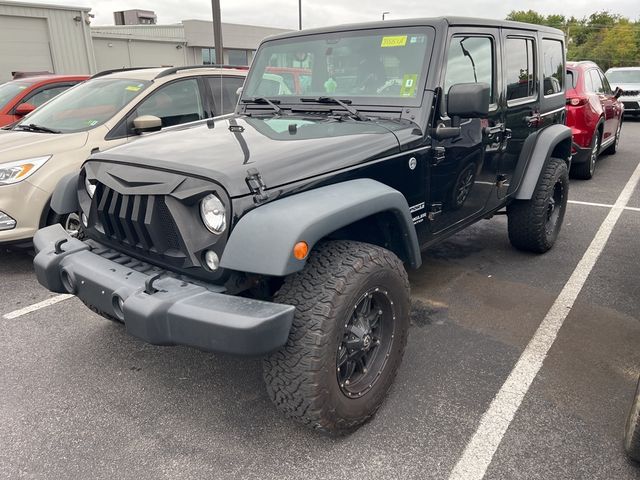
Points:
[123,53]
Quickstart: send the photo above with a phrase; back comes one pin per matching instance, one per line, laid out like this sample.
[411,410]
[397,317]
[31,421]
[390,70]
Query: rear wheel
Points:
[347,340]
[614,147]
[534,224]
[585,171]
[632,430]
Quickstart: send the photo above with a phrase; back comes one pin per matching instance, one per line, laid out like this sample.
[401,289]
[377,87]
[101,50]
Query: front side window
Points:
[86,106]
[470,60]
[176,103]
[10,90]
[606,87]
[519,69]
[224,90]
[384,66]
[552,66]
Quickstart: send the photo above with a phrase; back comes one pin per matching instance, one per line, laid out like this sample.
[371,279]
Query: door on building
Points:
[24,46]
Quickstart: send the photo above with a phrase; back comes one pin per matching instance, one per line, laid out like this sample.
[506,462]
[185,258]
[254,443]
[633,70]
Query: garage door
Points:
[24,46]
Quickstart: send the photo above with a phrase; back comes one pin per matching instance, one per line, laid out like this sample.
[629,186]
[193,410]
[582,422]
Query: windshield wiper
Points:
[32,127]
[262,100]
[343,103]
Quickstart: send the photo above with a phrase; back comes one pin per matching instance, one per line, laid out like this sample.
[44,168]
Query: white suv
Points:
[109,109]
[628,80]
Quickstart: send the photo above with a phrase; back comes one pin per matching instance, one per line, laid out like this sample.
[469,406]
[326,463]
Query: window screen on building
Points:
[520,71]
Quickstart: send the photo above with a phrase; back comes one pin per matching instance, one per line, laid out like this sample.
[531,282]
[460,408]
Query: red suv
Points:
[594,115]
[22,96]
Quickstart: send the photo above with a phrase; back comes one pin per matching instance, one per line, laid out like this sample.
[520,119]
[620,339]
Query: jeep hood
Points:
[18,145]
[282,149]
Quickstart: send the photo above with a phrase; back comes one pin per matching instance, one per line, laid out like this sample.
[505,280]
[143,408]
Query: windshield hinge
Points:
[256,185]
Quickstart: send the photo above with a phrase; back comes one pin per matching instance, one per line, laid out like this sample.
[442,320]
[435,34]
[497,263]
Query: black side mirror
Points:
[464,100]
[618,92]
[468,100]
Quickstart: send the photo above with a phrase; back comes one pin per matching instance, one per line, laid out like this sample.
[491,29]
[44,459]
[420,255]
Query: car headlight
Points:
[15,172]
[90,187]
[213,214]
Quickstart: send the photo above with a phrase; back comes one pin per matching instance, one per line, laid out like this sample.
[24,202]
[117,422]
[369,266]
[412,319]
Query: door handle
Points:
[533,120]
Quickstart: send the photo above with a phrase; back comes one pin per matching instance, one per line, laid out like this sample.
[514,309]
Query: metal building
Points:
[187,43]
[37,37]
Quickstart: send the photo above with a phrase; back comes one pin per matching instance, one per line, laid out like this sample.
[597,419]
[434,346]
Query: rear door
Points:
[522,116]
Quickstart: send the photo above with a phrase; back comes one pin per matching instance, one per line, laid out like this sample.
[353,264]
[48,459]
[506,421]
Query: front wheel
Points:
[347,340]
[534,224]
[632,430]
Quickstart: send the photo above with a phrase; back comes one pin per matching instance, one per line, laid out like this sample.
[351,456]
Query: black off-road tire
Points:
[585,171]
[632,429]
[302,377]
[532,226]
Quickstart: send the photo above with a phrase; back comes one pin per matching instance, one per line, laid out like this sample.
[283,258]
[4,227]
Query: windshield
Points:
[87,105]
[384,66]
[624,76]
[9,90]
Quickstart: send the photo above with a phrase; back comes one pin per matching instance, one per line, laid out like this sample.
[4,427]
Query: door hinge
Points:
[435,209]
[256,185]
[438,155]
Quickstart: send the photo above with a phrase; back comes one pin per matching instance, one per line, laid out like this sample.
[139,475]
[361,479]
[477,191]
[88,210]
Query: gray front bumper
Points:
[172,312]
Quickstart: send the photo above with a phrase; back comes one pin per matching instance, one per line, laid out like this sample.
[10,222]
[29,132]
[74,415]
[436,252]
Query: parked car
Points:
[110,109]
[284,229]
[296,79]
[628,80]
[21,97]
[594,114]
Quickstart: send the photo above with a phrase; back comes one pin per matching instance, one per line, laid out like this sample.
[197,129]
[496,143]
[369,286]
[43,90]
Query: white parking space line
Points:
[37,306]
[480,450]
[605,205]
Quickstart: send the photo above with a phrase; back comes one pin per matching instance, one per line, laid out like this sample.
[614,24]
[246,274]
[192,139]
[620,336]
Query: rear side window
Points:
[470,60]
[596,82]
[572,79]
[552,66]
[520,69]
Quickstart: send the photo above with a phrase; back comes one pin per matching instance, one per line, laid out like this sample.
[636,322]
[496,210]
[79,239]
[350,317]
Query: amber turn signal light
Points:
[301,250]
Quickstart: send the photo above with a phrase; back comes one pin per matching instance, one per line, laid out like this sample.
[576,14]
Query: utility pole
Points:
[217,32]
[299,14]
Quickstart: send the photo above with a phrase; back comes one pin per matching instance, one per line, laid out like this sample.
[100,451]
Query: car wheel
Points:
[614,148]
[70,222]
[585,171]
[347,339]
[534,224]
[632,429]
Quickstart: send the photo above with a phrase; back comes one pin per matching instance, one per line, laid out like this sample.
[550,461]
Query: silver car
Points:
[628,80]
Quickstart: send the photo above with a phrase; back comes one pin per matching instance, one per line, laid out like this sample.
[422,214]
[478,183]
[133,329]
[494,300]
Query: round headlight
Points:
[213,214]
[90,187]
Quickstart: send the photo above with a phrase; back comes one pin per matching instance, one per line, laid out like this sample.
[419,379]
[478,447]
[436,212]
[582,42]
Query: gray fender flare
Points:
[262,241]
[545,143]
[65,196]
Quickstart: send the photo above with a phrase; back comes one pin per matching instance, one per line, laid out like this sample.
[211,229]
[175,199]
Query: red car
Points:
[594,115]
[22,96]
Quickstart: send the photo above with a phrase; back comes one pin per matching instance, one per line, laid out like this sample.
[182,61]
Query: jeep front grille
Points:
[139,221]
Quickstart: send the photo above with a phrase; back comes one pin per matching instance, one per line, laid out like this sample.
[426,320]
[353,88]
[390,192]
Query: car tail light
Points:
[577,101]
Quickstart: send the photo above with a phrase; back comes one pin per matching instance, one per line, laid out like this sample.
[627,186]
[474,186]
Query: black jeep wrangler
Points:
[284,229]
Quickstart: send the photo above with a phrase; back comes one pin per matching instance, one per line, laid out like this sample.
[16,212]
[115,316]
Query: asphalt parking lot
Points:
[79,398]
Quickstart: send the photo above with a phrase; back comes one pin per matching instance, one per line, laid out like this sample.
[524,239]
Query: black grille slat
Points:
[141,222]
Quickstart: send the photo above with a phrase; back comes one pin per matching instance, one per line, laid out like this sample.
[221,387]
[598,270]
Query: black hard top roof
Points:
[437,22]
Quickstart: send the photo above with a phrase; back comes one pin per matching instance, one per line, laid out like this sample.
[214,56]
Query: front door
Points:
[463,170]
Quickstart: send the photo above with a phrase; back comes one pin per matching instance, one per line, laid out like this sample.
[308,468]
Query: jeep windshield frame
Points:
[384,67]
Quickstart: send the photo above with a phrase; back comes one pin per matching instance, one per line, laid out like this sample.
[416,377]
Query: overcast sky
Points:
[316,13]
